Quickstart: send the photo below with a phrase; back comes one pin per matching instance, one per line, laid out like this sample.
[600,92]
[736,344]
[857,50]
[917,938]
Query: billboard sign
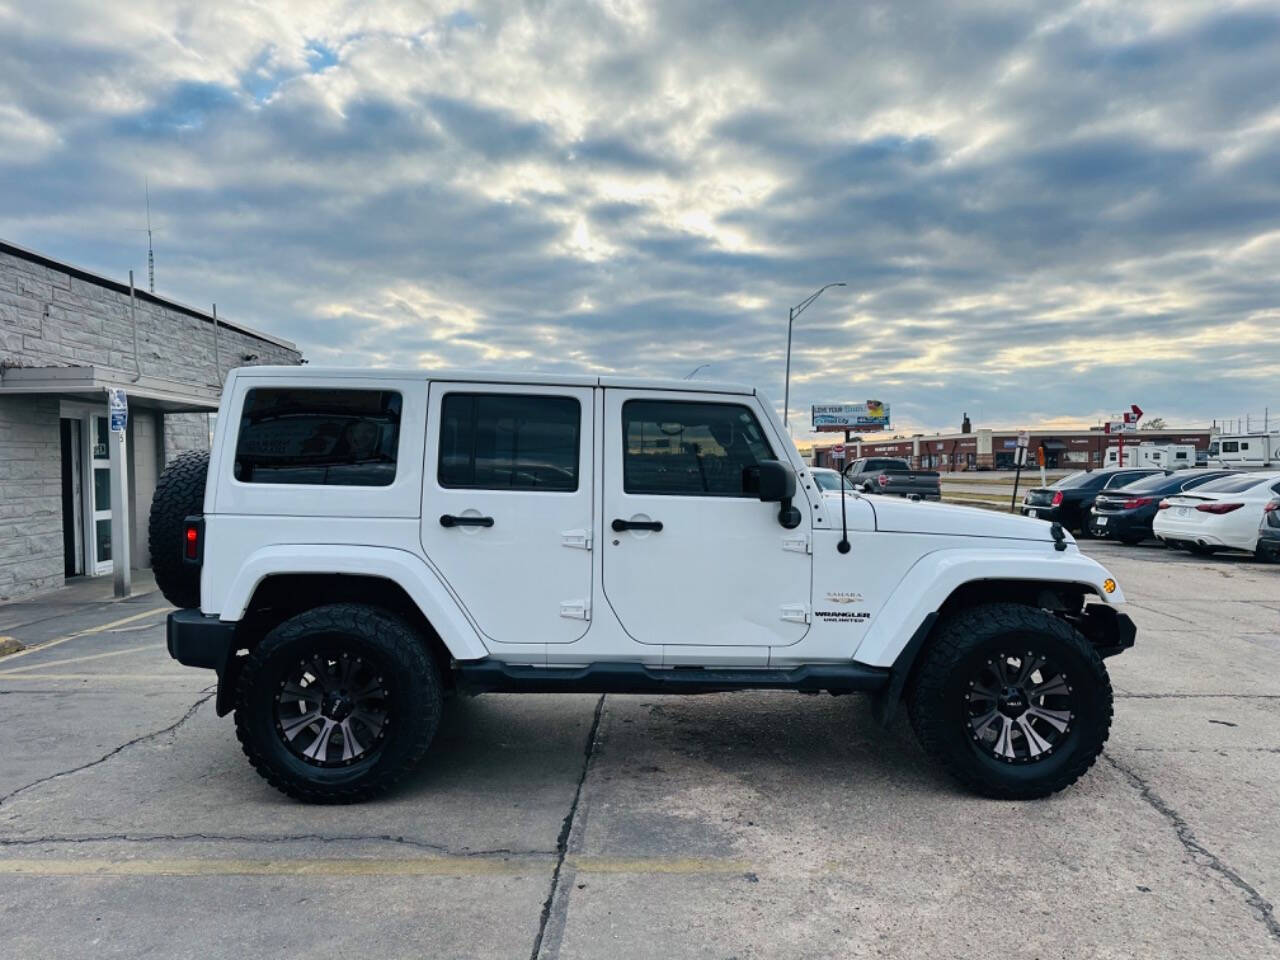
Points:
[854,417]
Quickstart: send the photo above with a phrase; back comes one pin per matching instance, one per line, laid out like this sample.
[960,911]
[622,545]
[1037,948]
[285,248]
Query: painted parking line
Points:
[18,671]
[177,677]
[85,633]
[367,867]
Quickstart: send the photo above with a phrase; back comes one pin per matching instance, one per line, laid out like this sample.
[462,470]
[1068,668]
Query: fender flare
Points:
[935,576]
[409,571]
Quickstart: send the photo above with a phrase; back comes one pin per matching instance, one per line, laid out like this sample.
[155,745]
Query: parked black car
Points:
[1269,532]
[1068,500]
[1125,514]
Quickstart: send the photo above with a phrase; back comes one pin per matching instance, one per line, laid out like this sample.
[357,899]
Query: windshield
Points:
[1235,484]
[830,480]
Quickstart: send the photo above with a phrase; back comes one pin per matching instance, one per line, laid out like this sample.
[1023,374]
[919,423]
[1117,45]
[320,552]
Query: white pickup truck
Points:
[358,544]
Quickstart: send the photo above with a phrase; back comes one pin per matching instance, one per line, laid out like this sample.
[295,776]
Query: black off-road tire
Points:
[179,494]
[414,698]
[939,687]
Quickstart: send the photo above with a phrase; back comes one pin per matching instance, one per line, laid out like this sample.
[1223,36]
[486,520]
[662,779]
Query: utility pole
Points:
[791,318]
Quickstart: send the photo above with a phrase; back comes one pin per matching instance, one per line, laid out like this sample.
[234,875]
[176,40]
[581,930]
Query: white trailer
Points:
[1169,456]
[1245,450]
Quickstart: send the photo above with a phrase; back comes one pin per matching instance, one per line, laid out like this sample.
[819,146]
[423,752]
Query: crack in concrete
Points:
[1199,852]
[562,842]
[282,838]
[191,712]
[1197,696]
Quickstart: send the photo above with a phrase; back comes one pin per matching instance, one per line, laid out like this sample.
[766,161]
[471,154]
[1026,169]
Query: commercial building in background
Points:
[67,337]
[994,449]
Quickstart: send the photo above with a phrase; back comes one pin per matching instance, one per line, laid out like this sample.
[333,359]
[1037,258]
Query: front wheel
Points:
[338,703]
[1012,701]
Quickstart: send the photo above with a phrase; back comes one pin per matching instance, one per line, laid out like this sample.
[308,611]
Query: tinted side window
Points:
[1230,446]
[509,441]
[689,449]
[322,437]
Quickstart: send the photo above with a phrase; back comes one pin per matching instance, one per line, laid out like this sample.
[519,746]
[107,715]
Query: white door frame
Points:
[87,414]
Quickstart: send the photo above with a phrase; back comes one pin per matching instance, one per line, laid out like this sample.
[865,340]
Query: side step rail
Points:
[494,676]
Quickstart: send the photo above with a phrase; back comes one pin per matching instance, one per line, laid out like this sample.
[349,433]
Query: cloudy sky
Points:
[1044,212]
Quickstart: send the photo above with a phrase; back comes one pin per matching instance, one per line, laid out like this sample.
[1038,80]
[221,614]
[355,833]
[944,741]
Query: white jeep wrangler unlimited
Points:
[360,543]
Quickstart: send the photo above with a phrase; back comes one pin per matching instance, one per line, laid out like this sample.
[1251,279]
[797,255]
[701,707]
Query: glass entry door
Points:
[100,536]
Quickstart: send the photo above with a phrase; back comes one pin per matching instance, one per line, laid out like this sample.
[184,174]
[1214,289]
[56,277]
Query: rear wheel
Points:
[338,704]
[1012,701]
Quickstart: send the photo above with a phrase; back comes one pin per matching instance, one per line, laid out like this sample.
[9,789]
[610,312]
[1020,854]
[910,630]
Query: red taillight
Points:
[883,479]
[1057,498]
[1271,506]
[1133,503]
[192,547]
[1164,505]
[1218,507]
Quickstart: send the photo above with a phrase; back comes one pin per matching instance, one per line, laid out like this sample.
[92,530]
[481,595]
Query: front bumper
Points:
[1109,631]
[199,641]
[1269,542]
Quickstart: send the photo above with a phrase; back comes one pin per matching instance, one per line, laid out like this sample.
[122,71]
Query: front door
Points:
[720,570]
[507,506]
[100,536]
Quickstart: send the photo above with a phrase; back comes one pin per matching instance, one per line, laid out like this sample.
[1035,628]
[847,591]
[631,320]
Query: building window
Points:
[679,448]
[509,441]
[318,437]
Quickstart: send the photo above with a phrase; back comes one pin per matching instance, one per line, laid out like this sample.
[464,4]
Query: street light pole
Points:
[794,312]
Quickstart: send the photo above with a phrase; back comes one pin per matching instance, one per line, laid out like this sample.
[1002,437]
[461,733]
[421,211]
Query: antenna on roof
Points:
[151,256]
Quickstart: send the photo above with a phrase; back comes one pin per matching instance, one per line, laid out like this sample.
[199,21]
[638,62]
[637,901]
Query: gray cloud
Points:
[1040,211]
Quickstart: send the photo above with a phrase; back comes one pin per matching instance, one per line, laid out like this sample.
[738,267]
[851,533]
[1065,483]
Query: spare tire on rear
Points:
[179,494]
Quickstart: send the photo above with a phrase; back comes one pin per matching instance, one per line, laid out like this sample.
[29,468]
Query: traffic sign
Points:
[118,407]
[1024,439]
[837,451]
[1020,457]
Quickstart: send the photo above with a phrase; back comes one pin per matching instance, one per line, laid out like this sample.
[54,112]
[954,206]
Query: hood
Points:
[898,515]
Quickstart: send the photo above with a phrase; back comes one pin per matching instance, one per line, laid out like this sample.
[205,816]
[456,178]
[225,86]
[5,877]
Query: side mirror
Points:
[774,482]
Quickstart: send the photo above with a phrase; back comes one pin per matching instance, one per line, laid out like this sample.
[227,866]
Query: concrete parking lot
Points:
[742,825]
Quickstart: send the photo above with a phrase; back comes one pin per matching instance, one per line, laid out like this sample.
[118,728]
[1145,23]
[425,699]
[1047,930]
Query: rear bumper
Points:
[1119,525]
[1042,512]
[199,641]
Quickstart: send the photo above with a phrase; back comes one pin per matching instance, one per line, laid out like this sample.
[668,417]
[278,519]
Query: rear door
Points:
[691,558]
[507,506]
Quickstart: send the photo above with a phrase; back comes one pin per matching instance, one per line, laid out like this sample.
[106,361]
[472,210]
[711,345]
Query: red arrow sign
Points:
[1137,411]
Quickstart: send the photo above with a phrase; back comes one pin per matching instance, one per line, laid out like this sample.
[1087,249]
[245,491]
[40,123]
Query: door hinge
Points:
[579,539]
[795,612]
[575,609]
[799,543]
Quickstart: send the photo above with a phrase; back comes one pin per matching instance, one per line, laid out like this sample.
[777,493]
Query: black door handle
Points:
[448,520]
[619,525]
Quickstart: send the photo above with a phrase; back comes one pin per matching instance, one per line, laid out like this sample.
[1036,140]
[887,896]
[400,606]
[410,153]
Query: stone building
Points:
[74,499]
